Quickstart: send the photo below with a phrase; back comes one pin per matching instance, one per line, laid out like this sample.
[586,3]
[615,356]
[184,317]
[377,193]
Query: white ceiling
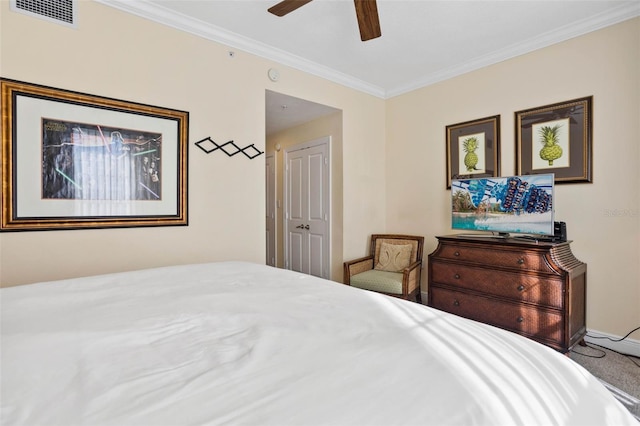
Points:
[284,112]
[423,41]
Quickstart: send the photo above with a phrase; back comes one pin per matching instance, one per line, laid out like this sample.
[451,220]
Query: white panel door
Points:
[307,208]
[317,203]
[295,211]
[270,216]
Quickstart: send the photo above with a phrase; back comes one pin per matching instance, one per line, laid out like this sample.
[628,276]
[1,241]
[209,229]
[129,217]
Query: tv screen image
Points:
[504,205]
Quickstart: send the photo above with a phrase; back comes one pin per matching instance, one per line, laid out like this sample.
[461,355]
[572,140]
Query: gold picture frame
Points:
[73,160]
[473,149]
[556,139]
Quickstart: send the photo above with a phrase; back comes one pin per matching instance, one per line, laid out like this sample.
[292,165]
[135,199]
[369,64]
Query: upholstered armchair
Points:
[393,267]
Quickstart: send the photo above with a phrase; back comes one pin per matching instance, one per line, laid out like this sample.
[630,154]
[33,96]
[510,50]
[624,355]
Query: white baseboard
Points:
[627,346]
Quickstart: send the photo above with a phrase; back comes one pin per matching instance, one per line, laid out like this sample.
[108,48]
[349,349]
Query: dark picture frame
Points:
[72,160]
[473,149]
[556,138]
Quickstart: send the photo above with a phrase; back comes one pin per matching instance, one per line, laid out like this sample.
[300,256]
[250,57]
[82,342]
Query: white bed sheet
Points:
[245,344]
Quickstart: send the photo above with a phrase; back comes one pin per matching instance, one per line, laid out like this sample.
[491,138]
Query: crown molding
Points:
[199,28]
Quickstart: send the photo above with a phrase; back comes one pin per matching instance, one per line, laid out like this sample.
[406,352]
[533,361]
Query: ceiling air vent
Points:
[58,11]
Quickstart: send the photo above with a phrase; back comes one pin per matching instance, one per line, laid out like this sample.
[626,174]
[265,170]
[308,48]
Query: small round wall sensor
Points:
[274,74]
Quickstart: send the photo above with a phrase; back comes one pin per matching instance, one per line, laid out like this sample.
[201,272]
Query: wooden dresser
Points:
[536,289]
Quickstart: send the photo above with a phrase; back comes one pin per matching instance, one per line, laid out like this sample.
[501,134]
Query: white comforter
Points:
[243,344]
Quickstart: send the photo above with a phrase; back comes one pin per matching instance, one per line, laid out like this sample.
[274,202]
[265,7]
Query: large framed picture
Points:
[473,149]
[72,160]
[556,139]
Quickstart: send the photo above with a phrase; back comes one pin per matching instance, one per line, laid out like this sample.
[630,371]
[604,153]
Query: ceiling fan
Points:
[366,11]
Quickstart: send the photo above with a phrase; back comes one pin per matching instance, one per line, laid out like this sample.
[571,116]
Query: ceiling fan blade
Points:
[287,6]
[368,21]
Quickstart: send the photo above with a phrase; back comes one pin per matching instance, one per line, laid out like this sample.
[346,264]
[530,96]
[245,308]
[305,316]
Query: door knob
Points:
[299,226]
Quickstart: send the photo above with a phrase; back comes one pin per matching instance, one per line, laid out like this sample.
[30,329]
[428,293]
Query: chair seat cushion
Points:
[381,281]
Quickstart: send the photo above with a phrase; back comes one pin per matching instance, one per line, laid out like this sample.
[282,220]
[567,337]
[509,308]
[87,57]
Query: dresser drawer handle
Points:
[520,287]
[520,261]
[456,303]
[520,319]
[457,253]
[456,276]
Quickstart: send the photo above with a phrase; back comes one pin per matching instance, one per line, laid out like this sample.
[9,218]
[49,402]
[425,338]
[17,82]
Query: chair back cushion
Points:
[378,239]
[393,257]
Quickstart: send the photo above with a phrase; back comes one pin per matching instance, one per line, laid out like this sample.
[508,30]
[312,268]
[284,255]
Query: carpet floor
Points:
[620,373]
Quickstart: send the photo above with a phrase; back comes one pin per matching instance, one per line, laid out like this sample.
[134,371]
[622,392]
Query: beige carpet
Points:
[620,373]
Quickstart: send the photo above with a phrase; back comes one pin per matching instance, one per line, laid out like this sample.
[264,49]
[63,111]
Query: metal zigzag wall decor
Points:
[208,145]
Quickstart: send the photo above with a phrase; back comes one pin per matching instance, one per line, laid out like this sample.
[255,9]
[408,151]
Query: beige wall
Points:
[603,218]
[331,126]
[122,56]
[393,157]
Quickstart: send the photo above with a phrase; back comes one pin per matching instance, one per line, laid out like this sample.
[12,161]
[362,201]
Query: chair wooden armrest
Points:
[411,277]
[356,266]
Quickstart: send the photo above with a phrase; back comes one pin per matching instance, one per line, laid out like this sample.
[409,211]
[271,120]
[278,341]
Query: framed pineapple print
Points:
[473,149]
[556,139]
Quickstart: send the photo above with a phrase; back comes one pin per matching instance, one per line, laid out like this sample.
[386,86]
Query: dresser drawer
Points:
[518,287]
[506,258]
[537,323]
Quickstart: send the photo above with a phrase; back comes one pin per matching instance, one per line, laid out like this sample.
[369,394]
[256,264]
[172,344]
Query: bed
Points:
[239,343]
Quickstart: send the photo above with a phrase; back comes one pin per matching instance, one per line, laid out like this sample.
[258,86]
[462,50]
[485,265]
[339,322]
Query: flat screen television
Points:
[504,205]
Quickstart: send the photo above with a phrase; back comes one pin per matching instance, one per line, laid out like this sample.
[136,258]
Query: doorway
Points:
[270,208]
[291,121]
